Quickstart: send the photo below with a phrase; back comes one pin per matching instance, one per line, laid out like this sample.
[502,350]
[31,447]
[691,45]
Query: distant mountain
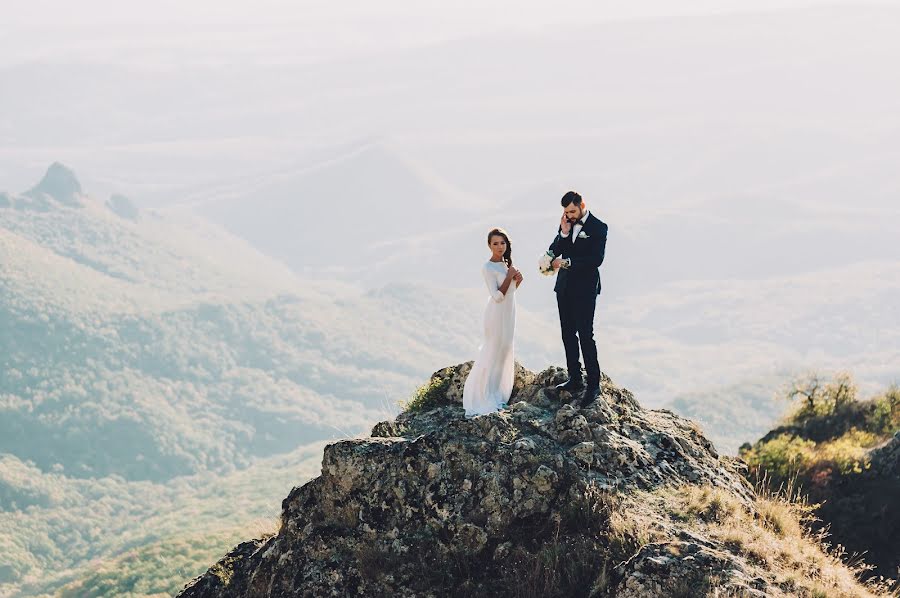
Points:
[338,218]
[113,340]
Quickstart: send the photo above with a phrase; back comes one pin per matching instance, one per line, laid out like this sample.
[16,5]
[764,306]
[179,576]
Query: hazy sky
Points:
[203,31]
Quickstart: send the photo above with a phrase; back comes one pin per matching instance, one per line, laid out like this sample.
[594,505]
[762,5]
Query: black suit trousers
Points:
[576,319]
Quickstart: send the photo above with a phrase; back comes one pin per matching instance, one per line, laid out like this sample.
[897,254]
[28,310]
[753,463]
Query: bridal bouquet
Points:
[545,263]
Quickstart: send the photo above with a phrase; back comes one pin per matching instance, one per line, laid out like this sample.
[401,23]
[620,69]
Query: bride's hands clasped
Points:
[516,275]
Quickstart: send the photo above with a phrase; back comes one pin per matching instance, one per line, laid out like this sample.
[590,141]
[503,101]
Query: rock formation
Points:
[860,509]
[59,183]
[122,207]
[541,499]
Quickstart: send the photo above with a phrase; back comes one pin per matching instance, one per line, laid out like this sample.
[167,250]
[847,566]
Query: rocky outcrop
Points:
[886,459]
[60,184]
[541,499]
[860,508]
[123,207]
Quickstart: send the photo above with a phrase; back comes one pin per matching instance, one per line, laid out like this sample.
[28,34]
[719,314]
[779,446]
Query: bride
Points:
[490,381]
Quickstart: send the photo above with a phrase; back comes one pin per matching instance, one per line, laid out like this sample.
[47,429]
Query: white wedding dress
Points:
[490,381]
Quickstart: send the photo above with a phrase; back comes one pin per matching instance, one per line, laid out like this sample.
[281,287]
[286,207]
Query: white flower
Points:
[583,235]
[545,263]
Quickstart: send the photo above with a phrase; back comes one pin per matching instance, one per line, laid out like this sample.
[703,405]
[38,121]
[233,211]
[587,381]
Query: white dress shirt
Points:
[576,230]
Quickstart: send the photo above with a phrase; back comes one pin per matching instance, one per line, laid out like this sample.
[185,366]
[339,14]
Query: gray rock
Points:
[438,504]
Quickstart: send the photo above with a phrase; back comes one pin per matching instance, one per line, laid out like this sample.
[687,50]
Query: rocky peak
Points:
[59,183]
[541,499]
[122,207]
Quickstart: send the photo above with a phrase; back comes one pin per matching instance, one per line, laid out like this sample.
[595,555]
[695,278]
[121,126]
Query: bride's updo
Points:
[507,255]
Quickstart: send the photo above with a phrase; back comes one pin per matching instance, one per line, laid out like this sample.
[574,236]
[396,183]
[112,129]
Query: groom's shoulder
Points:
[599,223]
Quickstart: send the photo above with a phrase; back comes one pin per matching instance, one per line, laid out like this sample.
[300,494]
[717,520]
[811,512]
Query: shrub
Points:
[782,457]
[848,453]
[429,396]
[817,398]
[885,416]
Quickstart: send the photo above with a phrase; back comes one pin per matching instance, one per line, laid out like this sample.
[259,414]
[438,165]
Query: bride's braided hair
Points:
[507,255]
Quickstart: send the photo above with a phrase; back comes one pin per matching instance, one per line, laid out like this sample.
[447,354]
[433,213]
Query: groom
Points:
[579,246]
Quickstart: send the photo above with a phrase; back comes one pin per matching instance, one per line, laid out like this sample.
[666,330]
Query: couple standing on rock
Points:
[577,251]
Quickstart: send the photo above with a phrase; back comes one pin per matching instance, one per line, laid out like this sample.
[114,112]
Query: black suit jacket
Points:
[583,276]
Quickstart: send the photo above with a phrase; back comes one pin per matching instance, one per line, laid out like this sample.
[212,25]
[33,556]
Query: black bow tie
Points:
[581,222]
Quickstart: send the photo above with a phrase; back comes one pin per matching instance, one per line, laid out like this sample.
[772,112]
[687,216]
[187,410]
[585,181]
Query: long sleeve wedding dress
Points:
[490,381]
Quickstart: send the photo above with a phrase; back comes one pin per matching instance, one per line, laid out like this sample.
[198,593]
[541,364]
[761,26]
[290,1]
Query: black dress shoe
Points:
[589,395]
[571,385]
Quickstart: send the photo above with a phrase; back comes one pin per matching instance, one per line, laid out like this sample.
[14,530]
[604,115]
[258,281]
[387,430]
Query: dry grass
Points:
[563,568]
[597,530]
[261,527]
[624,528]
[628,533]
[772,535]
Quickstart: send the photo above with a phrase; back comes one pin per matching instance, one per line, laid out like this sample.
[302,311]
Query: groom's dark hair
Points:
[571,197]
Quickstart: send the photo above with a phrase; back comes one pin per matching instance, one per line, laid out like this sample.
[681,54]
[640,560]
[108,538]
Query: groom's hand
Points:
[564,225]
[557,263]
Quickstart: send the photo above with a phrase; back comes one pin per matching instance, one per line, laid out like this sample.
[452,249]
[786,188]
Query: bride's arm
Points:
[510,276]
[498,294]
